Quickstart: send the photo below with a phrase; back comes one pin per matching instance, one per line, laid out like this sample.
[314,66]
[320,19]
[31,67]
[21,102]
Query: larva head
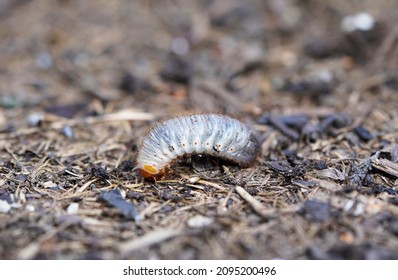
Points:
[148,171]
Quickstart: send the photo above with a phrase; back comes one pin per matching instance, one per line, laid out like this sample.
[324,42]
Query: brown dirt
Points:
[82,82]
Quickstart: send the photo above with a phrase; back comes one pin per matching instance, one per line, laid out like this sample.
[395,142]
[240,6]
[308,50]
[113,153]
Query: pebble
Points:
[194,179]
[34,119]
[44,60]
[325,76]
[5,207]
[180,46]
[49,184]
[355,208]
[360,21]
[72,208]
[67,131]
[199,221]
[30,208]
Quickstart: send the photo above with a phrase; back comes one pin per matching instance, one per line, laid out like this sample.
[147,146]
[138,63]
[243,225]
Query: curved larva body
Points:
[212,134]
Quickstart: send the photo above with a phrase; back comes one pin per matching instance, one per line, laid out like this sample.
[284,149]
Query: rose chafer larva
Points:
[211,134]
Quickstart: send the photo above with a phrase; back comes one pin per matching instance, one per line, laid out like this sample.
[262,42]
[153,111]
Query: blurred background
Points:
[169,57]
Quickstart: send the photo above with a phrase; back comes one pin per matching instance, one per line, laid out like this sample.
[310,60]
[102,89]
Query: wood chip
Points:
[328,185]
[330,173]
[385,165]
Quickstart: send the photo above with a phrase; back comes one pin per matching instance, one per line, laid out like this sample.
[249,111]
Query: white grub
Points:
[212,134]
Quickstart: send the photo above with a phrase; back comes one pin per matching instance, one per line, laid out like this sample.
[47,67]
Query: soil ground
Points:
[82,82]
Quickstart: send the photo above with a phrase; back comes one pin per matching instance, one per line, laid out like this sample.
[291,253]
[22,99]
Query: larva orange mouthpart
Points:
[216,135]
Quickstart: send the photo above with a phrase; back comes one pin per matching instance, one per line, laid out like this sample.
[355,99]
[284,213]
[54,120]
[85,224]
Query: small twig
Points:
[211,184]
[151,238]
[195,186]
[223,203]
[86,185]
[278,124]
[134,186]
[73,174]
[126,115]
[254,203]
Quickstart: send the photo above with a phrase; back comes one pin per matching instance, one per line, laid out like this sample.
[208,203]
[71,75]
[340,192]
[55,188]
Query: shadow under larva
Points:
[212,134]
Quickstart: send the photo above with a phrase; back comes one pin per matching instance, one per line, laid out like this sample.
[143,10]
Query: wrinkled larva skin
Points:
[212,134]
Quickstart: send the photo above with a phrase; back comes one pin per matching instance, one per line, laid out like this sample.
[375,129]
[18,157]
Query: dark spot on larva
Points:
[195,143]
[207,143]
[215,148]
[231,149]
[183,145]
[172,148]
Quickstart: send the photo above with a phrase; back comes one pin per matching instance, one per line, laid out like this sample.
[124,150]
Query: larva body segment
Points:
[212,134]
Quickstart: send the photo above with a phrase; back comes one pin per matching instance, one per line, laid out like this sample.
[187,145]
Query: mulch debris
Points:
[83,84]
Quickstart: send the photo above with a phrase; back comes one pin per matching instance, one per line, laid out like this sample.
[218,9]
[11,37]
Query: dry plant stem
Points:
[254,203]
[127,115]
[151,238]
